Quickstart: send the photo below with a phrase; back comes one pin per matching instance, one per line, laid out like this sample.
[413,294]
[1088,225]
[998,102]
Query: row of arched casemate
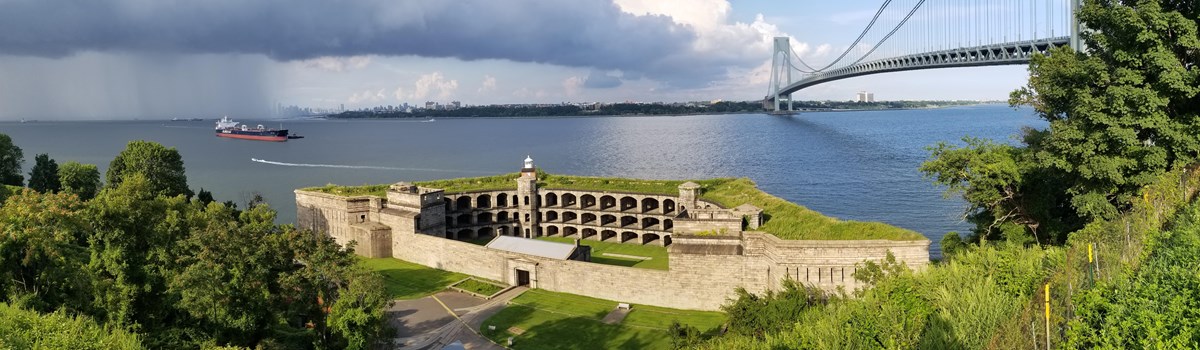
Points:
[598,220]
[566,231]
[625,203]
[600,216]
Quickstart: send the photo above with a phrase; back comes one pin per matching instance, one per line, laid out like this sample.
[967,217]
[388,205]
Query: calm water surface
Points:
[851,165]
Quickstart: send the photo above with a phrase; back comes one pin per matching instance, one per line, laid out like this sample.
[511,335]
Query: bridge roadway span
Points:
[1010,53]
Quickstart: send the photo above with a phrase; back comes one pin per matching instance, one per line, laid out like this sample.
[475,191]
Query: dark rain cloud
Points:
[577,33]
[601,80]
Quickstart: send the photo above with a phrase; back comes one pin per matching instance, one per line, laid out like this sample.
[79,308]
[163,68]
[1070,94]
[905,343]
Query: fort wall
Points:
[709,254]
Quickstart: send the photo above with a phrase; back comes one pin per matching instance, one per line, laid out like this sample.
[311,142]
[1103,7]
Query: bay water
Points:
[854,165]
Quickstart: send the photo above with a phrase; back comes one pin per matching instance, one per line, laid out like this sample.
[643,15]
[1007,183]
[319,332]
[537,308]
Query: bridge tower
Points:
[1076,42]
[781,70]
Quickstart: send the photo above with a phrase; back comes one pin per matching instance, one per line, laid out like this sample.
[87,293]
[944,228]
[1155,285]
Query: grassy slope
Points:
[991,296]
[657,254]
[405,280]
[784,219]
[789,220]
[565,321]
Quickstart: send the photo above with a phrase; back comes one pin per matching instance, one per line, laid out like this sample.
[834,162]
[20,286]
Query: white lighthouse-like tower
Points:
[527,201]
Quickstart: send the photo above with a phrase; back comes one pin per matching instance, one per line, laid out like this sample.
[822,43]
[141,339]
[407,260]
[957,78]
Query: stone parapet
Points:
[709,254]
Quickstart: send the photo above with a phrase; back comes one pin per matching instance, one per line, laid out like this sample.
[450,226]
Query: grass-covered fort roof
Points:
[784,219]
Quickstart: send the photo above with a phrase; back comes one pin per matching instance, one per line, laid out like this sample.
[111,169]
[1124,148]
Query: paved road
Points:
[433,322]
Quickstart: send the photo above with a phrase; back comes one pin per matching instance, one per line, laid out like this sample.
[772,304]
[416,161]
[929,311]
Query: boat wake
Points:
[338,166]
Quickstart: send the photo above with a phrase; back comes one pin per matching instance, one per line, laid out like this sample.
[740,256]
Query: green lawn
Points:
[405,280]
[789,220]
[657,254]
[565,321]
[784,219]
[351,191]
[479,287]
[661,317]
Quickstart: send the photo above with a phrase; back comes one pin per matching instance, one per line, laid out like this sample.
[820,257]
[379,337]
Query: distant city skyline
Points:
[107,59]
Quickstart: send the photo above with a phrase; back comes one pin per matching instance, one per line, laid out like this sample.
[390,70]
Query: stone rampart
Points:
[346,219]
[699,282]
[704,270]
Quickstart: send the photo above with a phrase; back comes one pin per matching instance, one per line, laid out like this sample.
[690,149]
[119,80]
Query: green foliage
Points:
[44,175]
[967,302]
[1009,193]
[1157,307]
[358,317]
[42,251]
[951,243]
[25,329]
[130,246]
[161,167]
[756,316]
[184,274]
[205,197]
[9,190]
[684,336]
[82,180]
[11,158]
[1125,111]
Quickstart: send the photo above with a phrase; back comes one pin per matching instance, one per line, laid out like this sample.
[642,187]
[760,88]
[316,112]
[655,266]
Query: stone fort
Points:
[712,250]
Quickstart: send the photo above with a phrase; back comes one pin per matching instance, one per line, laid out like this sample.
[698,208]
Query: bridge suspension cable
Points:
[853,44]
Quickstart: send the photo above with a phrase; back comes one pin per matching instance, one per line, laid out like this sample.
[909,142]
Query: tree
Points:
[204,196]
[10,162]
[42,251]
[1008,191]
[358,315]
[132,250]
[82,180]
[1124,111]
[44,176]
[162,168]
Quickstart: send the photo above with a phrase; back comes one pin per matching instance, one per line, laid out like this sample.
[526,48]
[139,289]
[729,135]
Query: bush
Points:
[25,329]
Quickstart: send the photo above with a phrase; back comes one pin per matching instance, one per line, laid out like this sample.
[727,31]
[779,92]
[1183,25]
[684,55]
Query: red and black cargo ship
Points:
[228,128]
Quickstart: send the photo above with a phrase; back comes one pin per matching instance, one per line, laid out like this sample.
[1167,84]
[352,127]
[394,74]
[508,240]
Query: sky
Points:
[117,59]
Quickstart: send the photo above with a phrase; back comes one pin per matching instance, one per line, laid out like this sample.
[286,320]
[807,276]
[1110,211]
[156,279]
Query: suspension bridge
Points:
[906,35]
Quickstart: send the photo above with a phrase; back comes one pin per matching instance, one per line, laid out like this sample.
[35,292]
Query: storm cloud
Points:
[93,85]
[601,80]
[578,33]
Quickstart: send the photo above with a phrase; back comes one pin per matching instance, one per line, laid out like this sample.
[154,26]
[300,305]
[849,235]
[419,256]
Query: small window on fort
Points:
[526,201]
[362,218]
[526,217]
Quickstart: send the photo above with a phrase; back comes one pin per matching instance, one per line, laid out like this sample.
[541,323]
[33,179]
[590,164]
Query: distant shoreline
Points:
[799,111]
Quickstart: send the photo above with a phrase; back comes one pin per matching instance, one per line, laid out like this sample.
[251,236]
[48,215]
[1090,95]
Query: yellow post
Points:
[1091,271]
[1047,316]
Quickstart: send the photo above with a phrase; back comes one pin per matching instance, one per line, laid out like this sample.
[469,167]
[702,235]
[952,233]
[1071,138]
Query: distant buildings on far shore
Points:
[864,96]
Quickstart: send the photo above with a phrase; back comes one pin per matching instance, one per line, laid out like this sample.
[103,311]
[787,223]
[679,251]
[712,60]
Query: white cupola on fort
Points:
[528,163]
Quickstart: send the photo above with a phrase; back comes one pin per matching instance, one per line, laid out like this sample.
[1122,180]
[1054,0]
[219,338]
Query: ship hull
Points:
[271,135]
